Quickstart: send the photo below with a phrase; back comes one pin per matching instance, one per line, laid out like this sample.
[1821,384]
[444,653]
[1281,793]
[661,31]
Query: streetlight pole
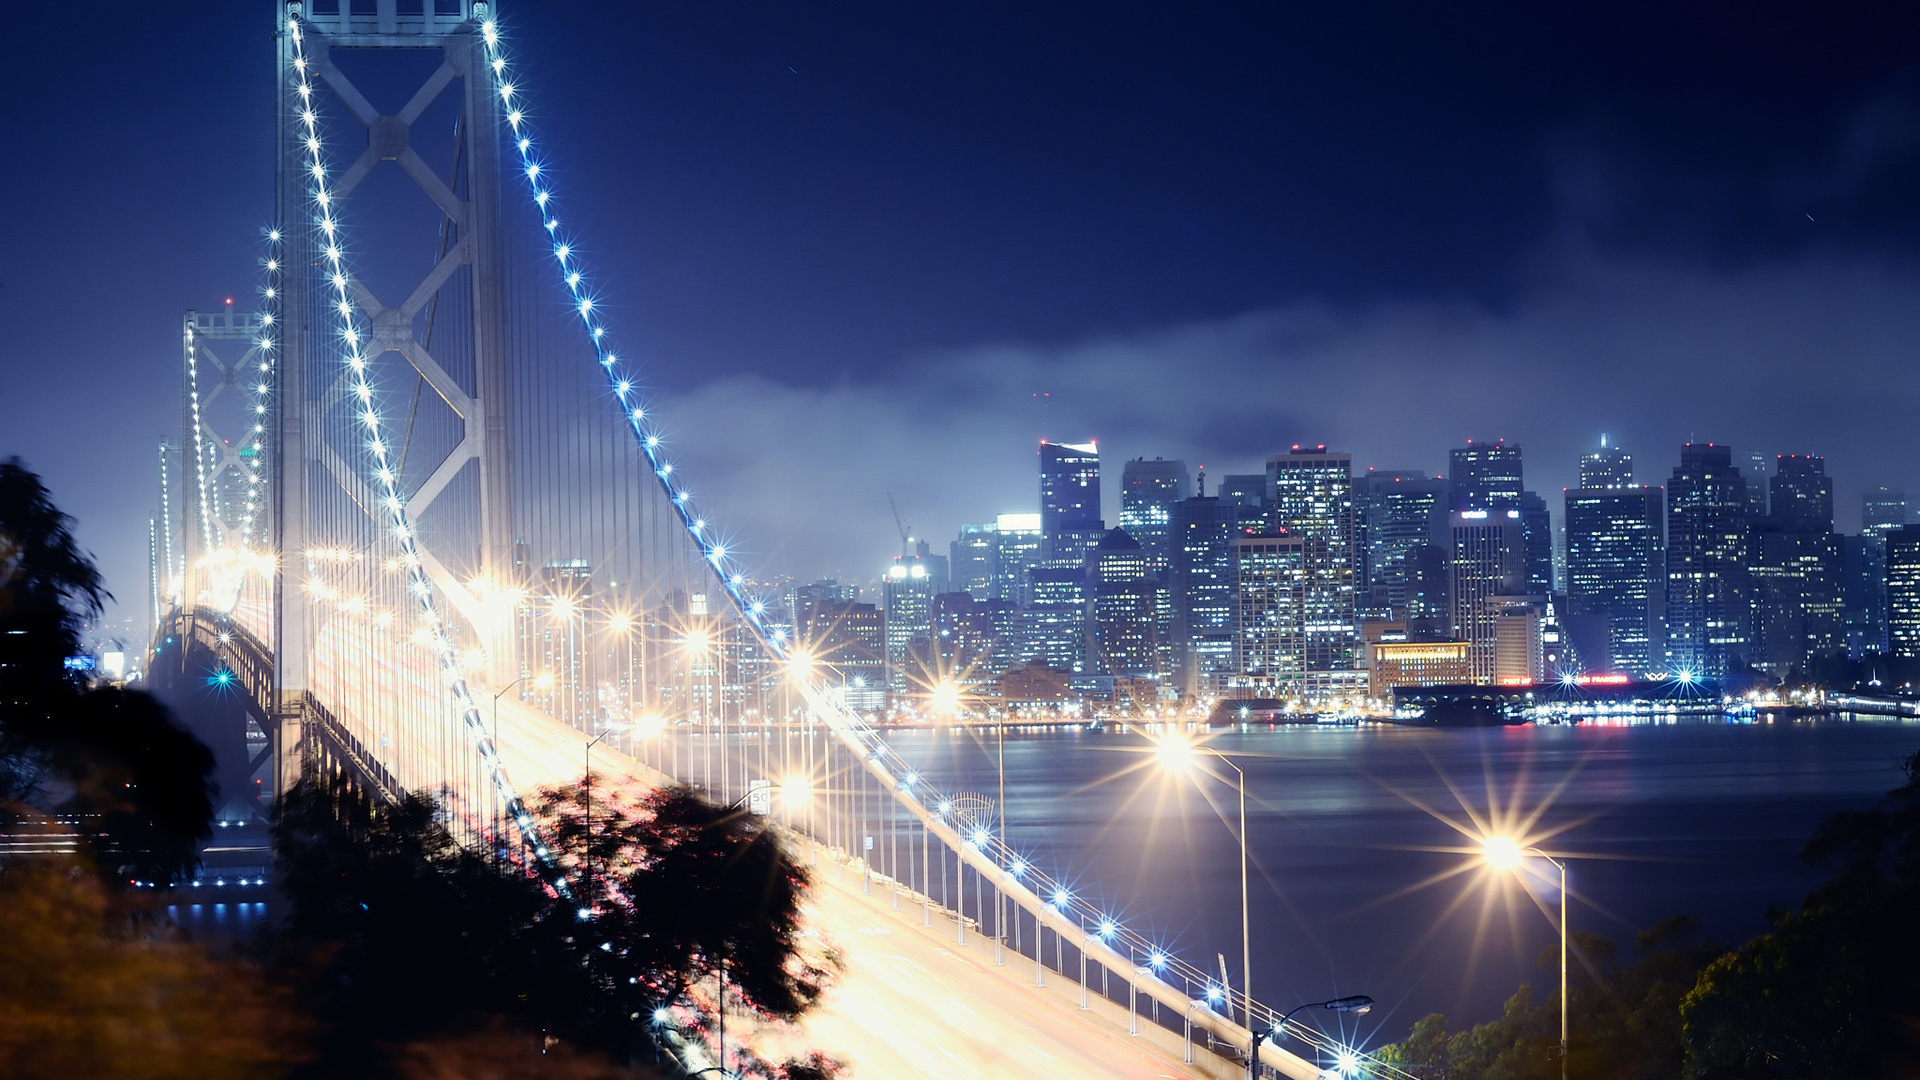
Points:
[1504,854]
[587,804]
[1168,749]
[1000,894]
[496,739]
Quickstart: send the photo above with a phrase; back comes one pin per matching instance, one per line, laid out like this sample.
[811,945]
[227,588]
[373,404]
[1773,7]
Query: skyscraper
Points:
[1016,550]
[1269,651]
[1245,489]
[970,560]
[1796,571]
[1607,467]
[1312,495]
[1484,476]
[1488,568]
[1395,513]
[1148,492]
[908,592]
[1800,493]
[1124,626]
[1756,470]
[1056,625]
[1903,591]
[1709,618]
[1883,510]
[1200,586]
[1069,486]
[1615,564]
[1488,476]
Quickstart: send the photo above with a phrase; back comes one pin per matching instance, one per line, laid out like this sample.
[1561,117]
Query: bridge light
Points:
[1213,993]
[1156,960]
[1106,929]
[1060,898]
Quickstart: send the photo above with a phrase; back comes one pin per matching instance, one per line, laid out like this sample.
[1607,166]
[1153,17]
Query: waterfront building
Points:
[1797,570]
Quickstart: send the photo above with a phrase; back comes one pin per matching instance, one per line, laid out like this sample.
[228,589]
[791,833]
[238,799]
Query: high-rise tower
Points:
[1709,618]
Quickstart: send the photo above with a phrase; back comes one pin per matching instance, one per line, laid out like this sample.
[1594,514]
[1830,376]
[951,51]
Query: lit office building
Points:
[1124,620]
[970,560]
[848,642]
[1149,490]
[1488,477]
[1797,570]
[1393,664]
[1395,514]
[1615,561]
[1200,586]
[1709,616]
[1607,467]
[1312,501]
[1903,591]
[1488,564]
[1017,549]
[1269,575]
[908,592]
[1069,485]
[1056,624]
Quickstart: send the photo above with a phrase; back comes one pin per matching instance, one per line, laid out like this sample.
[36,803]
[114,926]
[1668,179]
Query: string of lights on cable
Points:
[382,467]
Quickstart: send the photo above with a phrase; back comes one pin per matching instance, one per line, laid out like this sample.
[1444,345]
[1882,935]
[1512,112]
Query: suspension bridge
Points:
[422,528]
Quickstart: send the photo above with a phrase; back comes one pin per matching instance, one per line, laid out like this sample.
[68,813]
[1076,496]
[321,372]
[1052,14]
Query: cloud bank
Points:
[1817,356]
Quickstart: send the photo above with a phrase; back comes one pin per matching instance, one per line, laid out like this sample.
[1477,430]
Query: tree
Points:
[403,935]
[1624,1019]
[1833,989]
[89,989]
[690,886]
[114,757]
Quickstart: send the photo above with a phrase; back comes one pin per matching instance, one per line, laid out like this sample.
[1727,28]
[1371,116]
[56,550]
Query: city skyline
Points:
[942,279]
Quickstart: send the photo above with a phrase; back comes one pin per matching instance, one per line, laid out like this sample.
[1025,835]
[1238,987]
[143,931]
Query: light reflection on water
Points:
[1694,818]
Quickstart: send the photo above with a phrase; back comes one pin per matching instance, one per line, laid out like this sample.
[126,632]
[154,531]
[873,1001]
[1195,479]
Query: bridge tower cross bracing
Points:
[469,208]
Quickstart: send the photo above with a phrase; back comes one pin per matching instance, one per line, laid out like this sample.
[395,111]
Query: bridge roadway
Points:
[912,1002]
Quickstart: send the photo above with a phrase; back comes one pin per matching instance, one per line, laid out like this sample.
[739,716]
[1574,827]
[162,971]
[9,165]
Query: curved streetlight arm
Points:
[1562,867]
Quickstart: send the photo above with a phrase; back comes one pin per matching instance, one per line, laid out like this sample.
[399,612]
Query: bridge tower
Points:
[462,293]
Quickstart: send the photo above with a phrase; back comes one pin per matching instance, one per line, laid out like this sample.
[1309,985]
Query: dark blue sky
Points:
[1206,231]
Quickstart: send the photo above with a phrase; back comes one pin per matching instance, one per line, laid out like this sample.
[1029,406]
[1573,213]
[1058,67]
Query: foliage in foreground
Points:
[113,757]
[1624,1018]
[1831,992]
[92,988]
[407,937]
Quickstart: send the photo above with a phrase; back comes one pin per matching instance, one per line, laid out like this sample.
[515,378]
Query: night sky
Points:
[912,239]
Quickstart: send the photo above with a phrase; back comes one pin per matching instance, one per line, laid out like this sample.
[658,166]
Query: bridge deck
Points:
[914,1003]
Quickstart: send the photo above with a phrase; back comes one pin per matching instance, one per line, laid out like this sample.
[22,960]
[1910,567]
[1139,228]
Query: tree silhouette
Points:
[115,757]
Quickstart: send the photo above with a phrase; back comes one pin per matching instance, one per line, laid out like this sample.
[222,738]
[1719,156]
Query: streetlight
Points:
[1505,853]
[1177,755]
[1358,1004]
[587,800]
[544,681]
